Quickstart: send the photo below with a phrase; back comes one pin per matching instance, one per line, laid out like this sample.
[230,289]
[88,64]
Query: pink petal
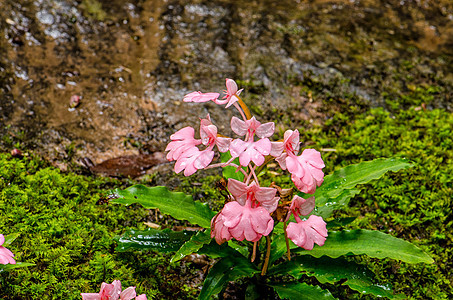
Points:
[232,213]
[204,159]
[223,143]
[237,146]
[313,157]
[238,126]
[6,251]
[282,160]
[219,230]
[184,133]
[306,233]
[246,157]
[90,296]
[2,239]
[128,293]
[292,141]
[238,190]
[303,206]
[141,297]
[199,97]
[263,146]
[294,166]
[296,233]
[246,222]
[231,86]
[277,149]
[265,130]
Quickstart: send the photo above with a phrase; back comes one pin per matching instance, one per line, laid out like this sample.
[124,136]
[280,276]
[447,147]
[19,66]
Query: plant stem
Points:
[254,251]
[244,108]
[288,253]
[268,254]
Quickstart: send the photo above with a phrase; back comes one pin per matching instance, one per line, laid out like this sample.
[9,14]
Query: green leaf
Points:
[225,270]
[297,291]
[352,175]
[178,205]
[278,248]
[10,238]
[326,210]
[372,243]
[153,239]
[230,171]
[215,250]
[8,267]
[329,270]
[193,245]
[340,222]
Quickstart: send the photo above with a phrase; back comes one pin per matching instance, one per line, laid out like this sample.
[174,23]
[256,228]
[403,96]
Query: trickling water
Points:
[131,63]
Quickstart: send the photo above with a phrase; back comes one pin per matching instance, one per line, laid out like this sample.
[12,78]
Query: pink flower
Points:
[302,206]
[109,291]
[112,291]
[183,140]
[306,233]
[128,293]
[231,93]
[209,137]
[264,195]
[6,256]
[306,170]
[193,159]
[245,222]
[219,230]
[251,127]
[250,150]
[200,97]
[290,145]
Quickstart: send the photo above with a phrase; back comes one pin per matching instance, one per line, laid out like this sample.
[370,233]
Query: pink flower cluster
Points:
[249,213]
[112,291]
[6,256]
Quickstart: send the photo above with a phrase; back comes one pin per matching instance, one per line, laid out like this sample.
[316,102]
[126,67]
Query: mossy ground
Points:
[70,238]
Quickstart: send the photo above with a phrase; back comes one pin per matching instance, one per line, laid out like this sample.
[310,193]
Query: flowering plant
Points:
[112,291]
[259,224]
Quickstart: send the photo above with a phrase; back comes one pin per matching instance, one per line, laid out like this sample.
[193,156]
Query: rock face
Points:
[130,63]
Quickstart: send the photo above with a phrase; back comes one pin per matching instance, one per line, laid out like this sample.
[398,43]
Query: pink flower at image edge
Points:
[6,256]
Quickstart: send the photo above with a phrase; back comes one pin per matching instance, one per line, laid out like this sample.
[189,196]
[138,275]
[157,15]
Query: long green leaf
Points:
[372,243]
[153,239]
[178,205]
[329,270]
[193,245]
[298,291]
[10,238]
[215,250]
[340,222]
[226,270]
[352,175]
[8,267]
[326,210]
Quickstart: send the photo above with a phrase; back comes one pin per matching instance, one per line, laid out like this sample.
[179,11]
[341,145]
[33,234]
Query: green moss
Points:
[94,9]
[413,204]
[70,238]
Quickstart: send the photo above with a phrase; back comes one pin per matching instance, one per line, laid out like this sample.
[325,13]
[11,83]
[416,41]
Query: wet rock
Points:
[135,61]
[126,166]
